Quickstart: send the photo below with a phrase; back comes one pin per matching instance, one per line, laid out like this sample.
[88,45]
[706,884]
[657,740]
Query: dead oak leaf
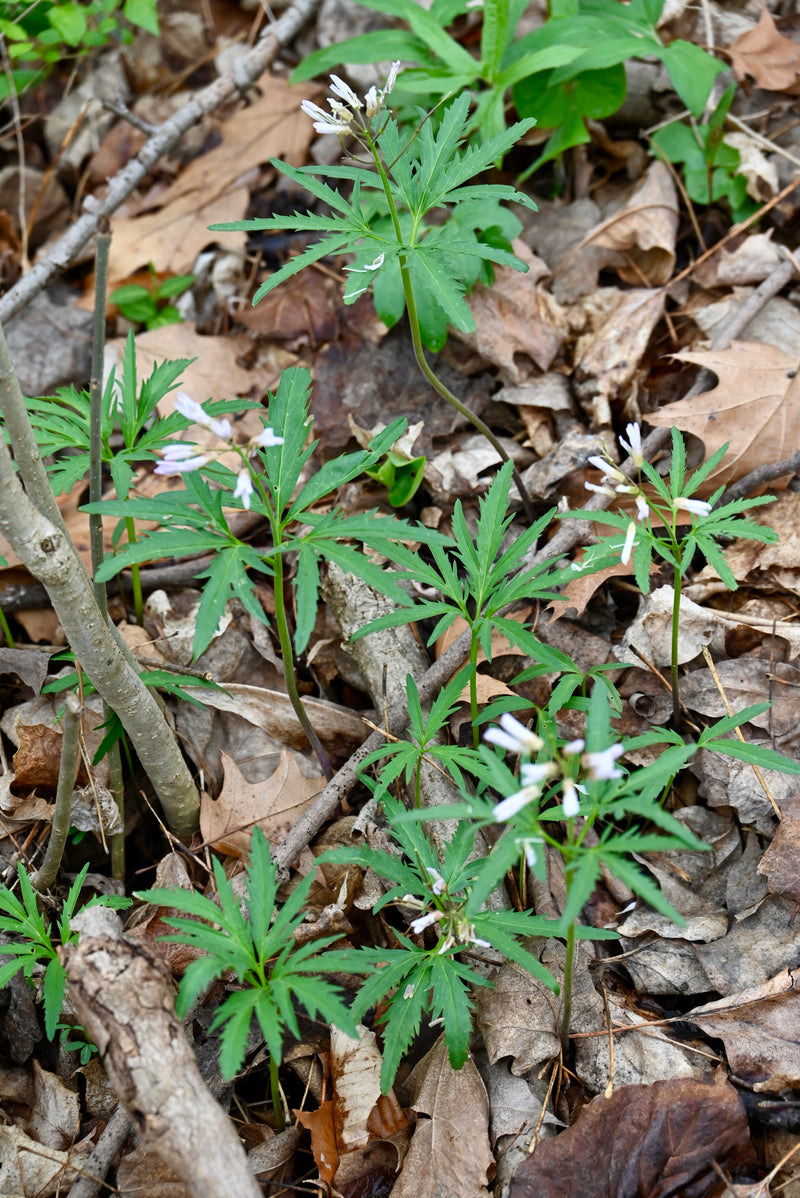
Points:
[755,408]
[766,56]
[274,804]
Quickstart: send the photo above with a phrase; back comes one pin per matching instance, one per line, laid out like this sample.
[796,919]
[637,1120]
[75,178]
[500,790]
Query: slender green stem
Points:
[418,784]
[473,689]
[676,617]
[416,338]
[6,630]
[136,577]
[566,1010]
[290,677]
[275,1094]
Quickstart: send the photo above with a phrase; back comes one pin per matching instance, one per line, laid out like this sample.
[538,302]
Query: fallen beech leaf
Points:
[766,56]
[650,1141]
[214,372]
[780,865]
[760,1030]
[275,805]
[449,1153]
[755,406]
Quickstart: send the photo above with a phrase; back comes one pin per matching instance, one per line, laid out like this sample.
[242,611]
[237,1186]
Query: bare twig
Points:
[246,71]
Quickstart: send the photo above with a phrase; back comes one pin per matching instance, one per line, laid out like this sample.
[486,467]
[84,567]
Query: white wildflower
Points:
[509,807]
[633,446]
[372,104]
[196,412]
[266,439]
[345,92]
[575,746]
[642,508]
[424,921]
[179,463]
[602,489]
[391,79]
[375,265]
[627,548]
[600,765]
[514,737]
[438,884]
[570,801]
[244,488]
[324,122]
[697,507]
[609,470]
[533,774]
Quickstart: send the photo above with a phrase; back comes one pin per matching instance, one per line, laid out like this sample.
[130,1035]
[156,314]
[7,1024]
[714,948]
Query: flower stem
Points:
[416,339]
[473,690]
[289,670]
[275,1094]
[566,1012]
[136,577]
[676,616]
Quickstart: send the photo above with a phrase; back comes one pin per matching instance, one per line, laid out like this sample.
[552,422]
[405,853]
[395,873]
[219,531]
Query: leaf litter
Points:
[662,1106]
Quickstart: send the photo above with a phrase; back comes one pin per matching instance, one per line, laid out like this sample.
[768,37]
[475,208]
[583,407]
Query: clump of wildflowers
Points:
[566,764]
[181,457]
[447,912]
[350,114]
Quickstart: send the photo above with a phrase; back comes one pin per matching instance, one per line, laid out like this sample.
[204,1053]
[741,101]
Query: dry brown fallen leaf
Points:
[206,193]
[655,1140]
[519,325]
[780,864]
[766,56]
[214,373]
[275,805]
[449,1153]
[644,230]
[755,408]
[760,1030]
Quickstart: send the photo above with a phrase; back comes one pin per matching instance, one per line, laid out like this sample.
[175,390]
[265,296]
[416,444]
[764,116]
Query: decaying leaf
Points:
[760,1029]
[449,1153]
[644,230]
[780,865]
[755,407]
[766,56]
[657,1140]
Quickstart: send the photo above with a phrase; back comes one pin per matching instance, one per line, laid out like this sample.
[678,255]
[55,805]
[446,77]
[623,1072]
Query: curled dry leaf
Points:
[766,56]
[755,408]
[780,865]
[644,230]
[657,1140]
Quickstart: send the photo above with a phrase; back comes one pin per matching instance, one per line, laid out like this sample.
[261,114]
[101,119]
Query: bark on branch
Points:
[44,547]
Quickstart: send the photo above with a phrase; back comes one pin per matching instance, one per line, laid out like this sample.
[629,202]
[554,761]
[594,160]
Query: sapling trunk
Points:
[33,526]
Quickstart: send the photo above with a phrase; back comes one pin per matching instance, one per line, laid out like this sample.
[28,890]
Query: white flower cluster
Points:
[180,457]
[345,105]
[456,928]
[616,483]
[516,738]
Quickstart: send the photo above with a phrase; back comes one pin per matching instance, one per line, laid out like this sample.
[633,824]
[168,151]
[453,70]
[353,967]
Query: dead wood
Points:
[124,997]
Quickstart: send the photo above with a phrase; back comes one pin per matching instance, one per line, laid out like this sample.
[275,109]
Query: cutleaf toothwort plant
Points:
[579,799]
[257,945]
[657,528]
[36,946]
[411,259]
[446,919]
[267,480]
